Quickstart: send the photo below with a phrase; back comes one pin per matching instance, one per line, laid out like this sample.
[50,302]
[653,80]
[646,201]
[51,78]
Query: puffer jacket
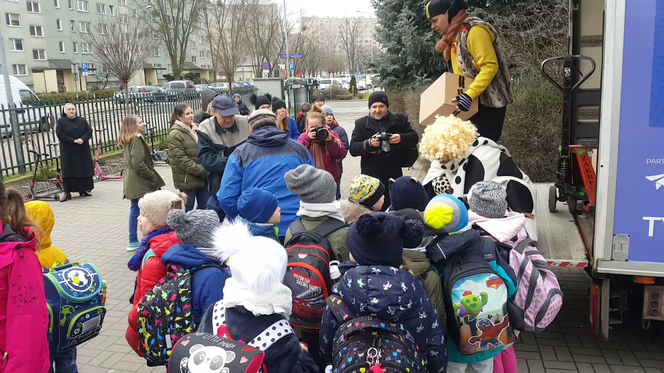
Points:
[391,294]
[40,212]
[188,174]
[262,162]
[152,270]
[140,177]
[293,132]
[23,312]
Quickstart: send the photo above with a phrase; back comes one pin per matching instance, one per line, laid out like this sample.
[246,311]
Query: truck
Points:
[28,108]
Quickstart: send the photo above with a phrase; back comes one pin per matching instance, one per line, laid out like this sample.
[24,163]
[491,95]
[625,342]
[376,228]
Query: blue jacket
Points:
[261,162]
[343,136]
[394,295]
[207,284]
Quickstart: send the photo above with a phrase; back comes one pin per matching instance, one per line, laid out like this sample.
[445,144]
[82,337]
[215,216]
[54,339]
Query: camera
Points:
[384,139]
[321,132]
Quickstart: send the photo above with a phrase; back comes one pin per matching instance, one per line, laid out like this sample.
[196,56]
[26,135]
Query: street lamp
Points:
[286,34]
[13,120]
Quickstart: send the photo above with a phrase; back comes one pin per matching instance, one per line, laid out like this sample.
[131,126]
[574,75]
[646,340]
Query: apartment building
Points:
[43,41]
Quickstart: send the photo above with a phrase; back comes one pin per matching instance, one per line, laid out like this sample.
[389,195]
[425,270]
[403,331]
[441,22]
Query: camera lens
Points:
[321,132]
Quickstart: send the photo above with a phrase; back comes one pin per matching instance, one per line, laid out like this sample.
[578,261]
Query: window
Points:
[193,58]
[39,54]
[16,45]
[192,44]
[156,52]
[72,24]
[170,67]
[74,47]
[91,69]
[13,20]
[82,5]
[124,18]
[101,8]
[70,4]
[28,98]
[110,10]
[86,48]
[103,29]
[201,54]
[19,70]
[123,2]
[32,6]
[36,31]
[58,24]
[84,27]
[56,3]
[62,46]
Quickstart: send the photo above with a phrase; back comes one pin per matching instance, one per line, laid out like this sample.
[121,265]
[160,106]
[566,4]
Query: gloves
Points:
[464,101]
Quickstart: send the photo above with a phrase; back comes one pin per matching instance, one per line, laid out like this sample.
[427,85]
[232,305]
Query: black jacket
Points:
[206,98]
[76,159]
[374,161]
[242,107]
[343,136]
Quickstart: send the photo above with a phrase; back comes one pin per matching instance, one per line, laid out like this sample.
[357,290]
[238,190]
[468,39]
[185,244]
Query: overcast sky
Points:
[331,8]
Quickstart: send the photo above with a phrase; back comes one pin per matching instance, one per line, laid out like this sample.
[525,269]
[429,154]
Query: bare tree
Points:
[265,34]
[349,35]
[227,35]
[120,48]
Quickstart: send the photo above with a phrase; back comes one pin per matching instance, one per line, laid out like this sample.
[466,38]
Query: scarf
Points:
[317,148]
[319,210]
[134,263]
[278,300]
[445,44]
[190,130]
[284,124]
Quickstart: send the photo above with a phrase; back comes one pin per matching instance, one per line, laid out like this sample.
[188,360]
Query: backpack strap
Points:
[340,311]
[296,227]
[523,244]
[328,227]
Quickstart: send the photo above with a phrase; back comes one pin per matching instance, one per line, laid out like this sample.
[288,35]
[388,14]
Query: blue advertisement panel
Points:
[639,201]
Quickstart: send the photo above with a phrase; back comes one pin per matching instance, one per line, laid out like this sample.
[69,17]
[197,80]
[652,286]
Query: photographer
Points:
[323,143]
[385,141]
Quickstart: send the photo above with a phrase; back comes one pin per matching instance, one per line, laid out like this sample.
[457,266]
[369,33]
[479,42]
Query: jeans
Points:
[133,221]
[64,362]
[200,196]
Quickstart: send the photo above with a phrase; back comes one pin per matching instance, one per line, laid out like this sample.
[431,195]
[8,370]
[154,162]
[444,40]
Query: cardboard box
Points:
[437,99]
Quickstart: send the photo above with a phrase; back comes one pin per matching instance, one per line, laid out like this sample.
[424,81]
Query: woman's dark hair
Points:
[178,111]
[263,120]
[13,213]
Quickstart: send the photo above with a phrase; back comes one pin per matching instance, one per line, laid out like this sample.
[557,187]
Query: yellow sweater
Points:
[480,45]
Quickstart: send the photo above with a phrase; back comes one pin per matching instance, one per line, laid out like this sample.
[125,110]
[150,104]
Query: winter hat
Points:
[407,193]
[257,205]
[237,95]
[378,239]
[379,96]
[311,184]
[488,199]
[195,227]
[446,214]
[327,110]
[261,100]
[365,190]
[259,113]
[156,205]
[277,104]
[438,7]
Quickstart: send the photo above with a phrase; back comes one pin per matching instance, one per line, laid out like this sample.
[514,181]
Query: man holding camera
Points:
[385,141]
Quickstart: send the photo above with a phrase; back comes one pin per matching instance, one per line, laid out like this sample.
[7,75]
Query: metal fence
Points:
[37,123]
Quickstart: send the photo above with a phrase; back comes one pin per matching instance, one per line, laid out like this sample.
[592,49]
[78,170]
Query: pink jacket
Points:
[23,312]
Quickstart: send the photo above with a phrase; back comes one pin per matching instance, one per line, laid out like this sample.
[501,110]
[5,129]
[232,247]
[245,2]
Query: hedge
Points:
[76,96]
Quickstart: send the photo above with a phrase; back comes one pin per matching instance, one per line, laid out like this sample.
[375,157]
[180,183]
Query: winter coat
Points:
[375,162]
[337,239]
[23,312]
[242,108]
[206,98]
[188,174]
[76,159]
[40,212]
[293,132]
[394,295]
[285,355]
[261,230]
[343,136]
[152,270]
[207,286]
[333,151]
[140,177]
[262,162]
[419,264]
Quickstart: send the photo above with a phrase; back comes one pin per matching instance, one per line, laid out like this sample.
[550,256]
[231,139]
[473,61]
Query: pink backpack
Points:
[538,298]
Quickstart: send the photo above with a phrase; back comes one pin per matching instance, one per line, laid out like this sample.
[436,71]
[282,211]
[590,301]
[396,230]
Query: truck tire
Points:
[553,199]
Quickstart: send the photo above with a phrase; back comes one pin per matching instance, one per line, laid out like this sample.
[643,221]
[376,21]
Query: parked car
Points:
[141,93]
[327,84]
[180,86]
[203,87]
[30,111]
[219,85]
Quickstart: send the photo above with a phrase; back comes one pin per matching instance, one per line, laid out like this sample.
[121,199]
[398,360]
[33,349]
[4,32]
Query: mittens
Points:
[464,101]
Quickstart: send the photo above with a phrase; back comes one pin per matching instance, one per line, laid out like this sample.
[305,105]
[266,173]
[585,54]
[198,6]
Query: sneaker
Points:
[133,246]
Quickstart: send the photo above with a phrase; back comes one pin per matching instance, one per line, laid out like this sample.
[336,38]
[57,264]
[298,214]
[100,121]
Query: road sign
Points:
[282,56]
[297,56]
[291,66]
[266,66]
[282,66]
[84,67]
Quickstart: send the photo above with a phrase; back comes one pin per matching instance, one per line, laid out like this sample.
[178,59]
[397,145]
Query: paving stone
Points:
[601,368]
[572,340]
[550,335]
[527,355]
[563,354]
[588,341]
[612,358]
[552,342]
[628,358]
[654,370]
[562,365]
[625,369]
[535,366]
[557,371]
[547,353]
[585,368]
[521,366]
[651,363]
[525,347]
[588,359]
[649,355]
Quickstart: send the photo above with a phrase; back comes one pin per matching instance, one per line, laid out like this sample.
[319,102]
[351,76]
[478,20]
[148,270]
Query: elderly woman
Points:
[460,158]
[74,133]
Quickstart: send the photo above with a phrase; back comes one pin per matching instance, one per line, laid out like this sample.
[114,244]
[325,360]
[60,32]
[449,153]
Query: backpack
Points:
[308,271]
[75,297]
[538,298]
[476,303]
[363,342]
[165,314]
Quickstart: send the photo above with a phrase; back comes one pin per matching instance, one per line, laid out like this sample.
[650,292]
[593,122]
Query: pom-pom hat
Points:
[446,214]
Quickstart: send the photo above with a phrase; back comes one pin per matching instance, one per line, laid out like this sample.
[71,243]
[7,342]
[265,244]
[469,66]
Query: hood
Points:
[408,214]
[417,261]
[40,212]
[268,137]
[186,255]
[503,229]
[8,241]
[161,243]
[206,98]
[446,246]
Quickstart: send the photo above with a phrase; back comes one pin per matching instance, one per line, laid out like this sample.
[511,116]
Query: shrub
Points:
[61,98]
[45,173]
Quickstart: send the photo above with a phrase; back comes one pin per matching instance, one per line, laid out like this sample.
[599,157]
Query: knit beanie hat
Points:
[277,104]
[488,199]
[156,205]
[195,227]
[311,184]
[327,110]
[261,100]
[365,190]
[257,205]
[260,113]
[407,193]
[446,214]
[379,96]
[378,239]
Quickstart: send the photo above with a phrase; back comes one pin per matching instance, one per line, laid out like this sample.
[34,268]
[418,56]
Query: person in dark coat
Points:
[376,162]
[206,99]
[75,133]
[241,106]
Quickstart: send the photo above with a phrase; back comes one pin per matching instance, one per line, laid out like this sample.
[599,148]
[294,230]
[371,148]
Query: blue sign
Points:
[291,66]
[640,173]
[266,66]
[84,67]
[293,56]
[282,56]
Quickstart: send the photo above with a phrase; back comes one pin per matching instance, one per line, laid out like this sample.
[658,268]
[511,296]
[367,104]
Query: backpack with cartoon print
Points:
[165,314]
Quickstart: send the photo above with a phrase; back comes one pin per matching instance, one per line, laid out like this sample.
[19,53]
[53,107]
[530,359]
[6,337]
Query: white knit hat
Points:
[156,205]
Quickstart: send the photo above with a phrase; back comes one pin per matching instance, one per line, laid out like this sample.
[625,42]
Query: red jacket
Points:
[333,150]
[152,270]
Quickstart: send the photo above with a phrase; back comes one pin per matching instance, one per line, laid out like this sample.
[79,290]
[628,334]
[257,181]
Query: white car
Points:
[327,84]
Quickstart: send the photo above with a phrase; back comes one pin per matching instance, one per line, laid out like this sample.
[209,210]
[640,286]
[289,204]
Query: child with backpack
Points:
[157,238]
[367,191]
[23,311]
[375,285]
[259,210]
[256,304]
[477,285]
[41,213]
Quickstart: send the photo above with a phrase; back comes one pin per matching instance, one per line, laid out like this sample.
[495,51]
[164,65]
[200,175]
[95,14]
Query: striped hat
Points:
[446,214]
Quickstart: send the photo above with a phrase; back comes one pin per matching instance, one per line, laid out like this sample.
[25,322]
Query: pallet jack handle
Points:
[567,71]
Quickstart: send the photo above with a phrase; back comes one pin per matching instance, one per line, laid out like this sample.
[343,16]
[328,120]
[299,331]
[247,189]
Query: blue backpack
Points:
[75,296]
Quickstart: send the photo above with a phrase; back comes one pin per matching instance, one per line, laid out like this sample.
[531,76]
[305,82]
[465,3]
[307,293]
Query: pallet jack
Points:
[575,175]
